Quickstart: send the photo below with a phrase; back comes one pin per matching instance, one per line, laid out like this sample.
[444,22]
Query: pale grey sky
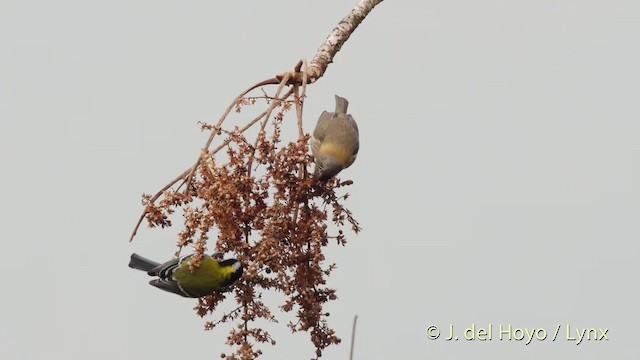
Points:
[497,180]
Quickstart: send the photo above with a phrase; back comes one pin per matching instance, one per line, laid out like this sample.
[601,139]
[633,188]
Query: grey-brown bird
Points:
[335,141]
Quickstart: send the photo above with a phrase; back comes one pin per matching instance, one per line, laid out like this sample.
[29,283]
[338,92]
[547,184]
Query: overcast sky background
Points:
[497,180]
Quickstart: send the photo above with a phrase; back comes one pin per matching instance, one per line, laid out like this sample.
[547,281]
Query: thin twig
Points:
[267,97]
[299,101]
[264,123]
[353,336]
[154,198]
[214,132]
[225,316]
[243,129]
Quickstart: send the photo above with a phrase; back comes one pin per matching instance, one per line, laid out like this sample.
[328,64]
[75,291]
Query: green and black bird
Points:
[174,275]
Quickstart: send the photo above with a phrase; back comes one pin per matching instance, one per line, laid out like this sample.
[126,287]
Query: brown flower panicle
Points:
[258,202]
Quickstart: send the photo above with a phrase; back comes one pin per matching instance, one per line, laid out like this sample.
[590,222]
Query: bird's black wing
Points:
[169,285]
[165,271]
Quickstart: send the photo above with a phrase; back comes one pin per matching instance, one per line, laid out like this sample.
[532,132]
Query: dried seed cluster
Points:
[261,205]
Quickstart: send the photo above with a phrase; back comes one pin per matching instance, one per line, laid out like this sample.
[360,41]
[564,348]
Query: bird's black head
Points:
[236,271]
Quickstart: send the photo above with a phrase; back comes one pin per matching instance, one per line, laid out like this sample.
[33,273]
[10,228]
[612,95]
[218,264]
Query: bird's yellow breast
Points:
[337,151]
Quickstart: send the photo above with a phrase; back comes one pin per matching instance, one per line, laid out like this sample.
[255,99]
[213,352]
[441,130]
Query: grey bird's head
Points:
[326,167]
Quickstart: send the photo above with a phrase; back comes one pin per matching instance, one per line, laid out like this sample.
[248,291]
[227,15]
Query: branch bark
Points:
[338,37]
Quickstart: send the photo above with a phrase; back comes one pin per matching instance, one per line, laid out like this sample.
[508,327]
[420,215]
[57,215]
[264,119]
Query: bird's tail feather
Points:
[141,263]
[341,105]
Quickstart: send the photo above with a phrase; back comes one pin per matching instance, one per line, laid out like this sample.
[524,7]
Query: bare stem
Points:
[353,336]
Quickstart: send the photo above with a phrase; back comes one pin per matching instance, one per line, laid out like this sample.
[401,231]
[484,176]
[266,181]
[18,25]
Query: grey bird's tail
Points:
[341,105]
[141,263]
